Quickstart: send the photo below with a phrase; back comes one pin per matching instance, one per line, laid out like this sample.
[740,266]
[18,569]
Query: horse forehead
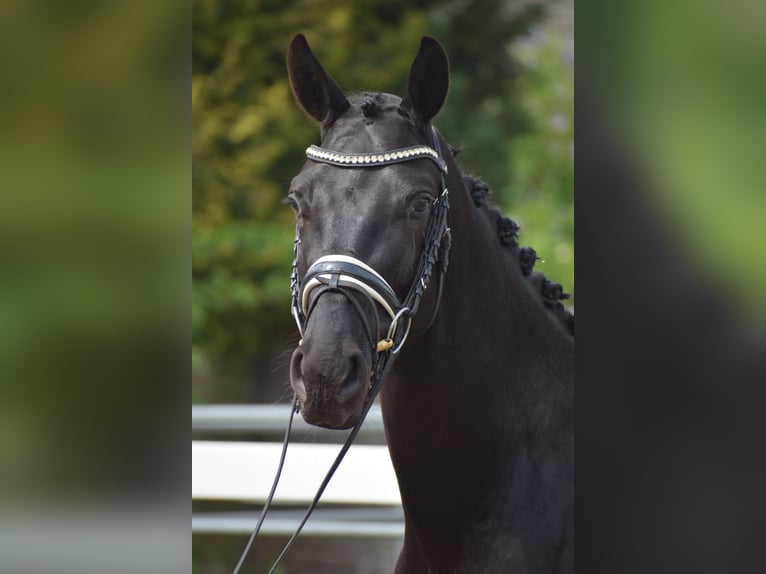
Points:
[381,130]
[366,185]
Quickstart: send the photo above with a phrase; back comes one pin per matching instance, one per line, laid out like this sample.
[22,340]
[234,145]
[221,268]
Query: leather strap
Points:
[342,159]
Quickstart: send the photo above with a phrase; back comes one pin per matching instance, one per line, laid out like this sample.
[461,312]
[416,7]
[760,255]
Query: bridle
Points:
[343,273]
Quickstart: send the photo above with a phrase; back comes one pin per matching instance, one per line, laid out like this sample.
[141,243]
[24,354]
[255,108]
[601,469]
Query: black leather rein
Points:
[341,273]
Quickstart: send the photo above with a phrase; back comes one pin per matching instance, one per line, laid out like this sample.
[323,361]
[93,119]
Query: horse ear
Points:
[428,83]
[316,92]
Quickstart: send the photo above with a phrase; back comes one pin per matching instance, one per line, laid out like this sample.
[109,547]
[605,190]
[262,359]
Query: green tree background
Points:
[510,109]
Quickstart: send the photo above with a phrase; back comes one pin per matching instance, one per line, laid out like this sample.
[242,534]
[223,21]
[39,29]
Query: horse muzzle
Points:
[329,370]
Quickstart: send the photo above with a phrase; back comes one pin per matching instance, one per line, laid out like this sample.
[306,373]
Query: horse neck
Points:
[492,328]
[493,368]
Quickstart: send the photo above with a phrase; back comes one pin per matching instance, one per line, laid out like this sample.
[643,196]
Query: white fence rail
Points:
[362,500]
[221,419]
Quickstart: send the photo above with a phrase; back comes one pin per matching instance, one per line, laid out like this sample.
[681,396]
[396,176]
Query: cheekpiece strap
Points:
[336,158]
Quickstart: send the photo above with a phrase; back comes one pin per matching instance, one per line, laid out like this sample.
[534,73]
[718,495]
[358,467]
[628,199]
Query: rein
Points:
[339,273]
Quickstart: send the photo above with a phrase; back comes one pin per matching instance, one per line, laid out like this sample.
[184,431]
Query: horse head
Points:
[364,204]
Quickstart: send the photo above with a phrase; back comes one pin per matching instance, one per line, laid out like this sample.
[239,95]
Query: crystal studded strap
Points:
[322,155]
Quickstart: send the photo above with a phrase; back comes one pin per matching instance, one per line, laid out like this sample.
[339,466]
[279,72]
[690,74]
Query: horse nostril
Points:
[355,377]
[296,374]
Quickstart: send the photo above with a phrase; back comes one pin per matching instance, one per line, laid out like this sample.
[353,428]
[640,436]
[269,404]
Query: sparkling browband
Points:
[340,159]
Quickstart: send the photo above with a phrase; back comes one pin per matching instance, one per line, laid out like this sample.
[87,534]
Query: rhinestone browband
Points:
[340,159]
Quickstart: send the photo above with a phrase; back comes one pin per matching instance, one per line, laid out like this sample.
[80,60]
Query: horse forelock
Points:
[374,104]
[381,116]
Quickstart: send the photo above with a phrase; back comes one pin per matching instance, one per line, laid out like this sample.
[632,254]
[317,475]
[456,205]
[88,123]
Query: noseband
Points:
[343,272]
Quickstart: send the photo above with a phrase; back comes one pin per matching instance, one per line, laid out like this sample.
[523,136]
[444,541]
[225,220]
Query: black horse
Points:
[478,405]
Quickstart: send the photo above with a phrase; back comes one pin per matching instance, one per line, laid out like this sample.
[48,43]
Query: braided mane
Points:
[552,293]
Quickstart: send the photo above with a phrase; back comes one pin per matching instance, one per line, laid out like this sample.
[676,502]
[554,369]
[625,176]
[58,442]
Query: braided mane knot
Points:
[527,259]
[507,230]
[478,189]
[554,291]
[369,106]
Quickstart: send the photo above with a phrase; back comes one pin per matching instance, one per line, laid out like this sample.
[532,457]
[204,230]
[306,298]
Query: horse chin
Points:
[336,418]
[324,406]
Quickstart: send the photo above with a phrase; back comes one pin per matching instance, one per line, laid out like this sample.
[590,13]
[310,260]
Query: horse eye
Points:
[289,200]
[422,204]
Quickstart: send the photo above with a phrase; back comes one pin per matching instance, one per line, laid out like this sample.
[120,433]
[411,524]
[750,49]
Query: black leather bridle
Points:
[343,273]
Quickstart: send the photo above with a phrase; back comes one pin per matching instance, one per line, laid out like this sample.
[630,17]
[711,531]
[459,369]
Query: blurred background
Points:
[94,292]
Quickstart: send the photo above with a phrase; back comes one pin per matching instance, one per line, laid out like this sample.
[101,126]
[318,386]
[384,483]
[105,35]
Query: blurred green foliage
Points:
[94,174]
[509,109]
[682,86]
[539,191]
